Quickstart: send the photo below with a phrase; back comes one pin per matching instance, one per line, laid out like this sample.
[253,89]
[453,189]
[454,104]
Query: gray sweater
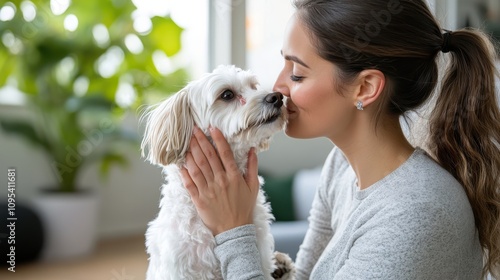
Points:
[416,223]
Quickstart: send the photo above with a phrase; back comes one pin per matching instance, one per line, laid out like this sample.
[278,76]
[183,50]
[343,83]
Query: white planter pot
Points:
[70,224]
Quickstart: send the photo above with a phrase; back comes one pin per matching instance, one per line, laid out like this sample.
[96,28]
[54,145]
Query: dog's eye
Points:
[227,95]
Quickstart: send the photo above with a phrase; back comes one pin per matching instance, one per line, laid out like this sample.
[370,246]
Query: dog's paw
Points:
[285,268]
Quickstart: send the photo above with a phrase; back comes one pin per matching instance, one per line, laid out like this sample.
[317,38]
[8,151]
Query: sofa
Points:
[291,199]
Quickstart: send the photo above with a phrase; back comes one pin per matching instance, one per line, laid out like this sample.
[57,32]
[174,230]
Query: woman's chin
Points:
[293,131]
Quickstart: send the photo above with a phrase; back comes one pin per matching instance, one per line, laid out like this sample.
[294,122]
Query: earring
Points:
[359,105]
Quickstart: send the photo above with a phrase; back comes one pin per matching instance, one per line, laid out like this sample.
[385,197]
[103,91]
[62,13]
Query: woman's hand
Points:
[224,198]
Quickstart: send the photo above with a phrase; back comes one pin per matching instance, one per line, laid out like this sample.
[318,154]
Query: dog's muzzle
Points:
[275,99]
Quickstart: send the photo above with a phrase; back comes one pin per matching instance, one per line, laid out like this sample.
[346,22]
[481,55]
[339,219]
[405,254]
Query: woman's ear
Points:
[169,128]
[371,83]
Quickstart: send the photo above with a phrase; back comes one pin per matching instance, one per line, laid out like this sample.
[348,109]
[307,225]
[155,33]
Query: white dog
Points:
[180,246]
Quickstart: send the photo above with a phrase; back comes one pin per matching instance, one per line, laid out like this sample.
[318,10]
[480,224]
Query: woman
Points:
[384,209]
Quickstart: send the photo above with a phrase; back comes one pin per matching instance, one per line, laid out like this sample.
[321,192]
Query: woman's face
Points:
[315,107]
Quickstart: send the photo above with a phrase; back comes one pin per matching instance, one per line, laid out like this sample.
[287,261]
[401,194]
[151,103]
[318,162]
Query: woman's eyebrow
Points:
[294,59]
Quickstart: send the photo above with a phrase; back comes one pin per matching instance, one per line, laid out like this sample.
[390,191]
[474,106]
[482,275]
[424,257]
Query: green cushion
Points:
[278,190]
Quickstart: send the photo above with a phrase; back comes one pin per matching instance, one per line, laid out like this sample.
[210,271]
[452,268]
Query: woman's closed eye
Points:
[296,78]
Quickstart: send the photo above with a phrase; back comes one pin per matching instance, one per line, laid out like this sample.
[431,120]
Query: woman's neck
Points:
[374,155]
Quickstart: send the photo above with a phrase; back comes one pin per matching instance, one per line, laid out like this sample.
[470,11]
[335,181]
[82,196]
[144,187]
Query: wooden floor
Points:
[117,259]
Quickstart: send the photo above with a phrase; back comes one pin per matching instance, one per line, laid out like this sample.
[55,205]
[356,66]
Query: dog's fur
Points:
[180,246]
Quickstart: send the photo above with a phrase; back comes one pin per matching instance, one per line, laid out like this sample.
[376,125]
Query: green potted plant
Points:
[81,67]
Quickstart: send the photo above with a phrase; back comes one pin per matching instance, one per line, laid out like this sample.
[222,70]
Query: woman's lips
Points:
[290,108]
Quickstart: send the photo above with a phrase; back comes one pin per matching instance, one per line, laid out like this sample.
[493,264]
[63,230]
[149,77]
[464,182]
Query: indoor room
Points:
[77,80]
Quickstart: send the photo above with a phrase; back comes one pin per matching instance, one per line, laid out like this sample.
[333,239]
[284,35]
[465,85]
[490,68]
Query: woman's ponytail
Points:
[465,132]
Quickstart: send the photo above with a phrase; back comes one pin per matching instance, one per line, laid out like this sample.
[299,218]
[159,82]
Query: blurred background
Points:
[74,77]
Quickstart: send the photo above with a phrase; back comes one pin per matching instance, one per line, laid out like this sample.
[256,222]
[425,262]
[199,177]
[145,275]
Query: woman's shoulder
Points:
[422,182]
[422,173]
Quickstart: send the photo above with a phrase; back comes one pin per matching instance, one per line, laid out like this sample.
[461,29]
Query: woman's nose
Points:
[280,85]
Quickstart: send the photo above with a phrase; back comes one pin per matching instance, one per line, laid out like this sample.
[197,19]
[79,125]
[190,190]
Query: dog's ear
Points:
[168,131]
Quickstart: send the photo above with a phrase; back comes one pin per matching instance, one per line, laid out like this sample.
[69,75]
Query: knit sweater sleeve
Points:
[237,252]
[320,230]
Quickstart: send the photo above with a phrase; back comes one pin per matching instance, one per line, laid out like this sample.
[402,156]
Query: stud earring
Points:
[359,105]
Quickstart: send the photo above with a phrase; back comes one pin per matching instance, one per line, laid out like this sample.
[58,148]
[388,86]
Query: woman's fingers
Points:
[205,154]
[196,176]
[225,152]
[252,177]
[197,162]
[189,184]
[223,197]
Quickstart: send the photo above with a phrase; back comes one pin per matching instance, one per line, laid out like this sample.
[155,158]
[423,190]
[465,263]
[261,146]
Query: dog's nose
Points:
[275,98]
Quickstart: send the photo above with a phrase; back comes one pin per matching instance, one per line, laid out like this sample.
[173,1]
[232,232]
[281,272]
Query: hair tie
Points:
[445,47]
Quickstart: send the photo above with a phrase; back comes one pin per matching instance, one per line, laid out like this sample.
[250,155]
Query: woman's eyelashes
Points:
[296,78]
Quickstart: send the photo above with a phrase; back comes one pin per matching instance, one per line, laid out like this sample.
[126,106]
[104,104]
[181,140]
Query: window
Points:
[266,22]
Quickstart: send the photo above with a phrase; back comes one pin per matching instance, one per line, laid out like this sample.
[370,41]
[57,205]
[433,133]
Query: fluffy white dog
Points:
[180,246]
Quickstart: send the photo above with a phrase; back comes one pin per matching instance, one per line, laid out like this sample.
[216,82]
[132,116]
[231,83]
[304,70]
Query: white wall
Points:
[447,13]
[287,155]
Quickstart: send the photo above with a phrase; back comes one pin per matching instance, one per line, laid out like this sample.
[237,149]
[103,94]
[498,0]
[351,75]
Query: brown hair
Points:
[402,39]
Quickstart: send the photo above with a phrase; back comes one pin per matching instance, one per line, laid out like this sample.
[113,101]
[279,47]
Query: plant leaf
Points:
[166,34]
[104,87]
[78,104]
[6,62]
[109,159]
[27,131]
